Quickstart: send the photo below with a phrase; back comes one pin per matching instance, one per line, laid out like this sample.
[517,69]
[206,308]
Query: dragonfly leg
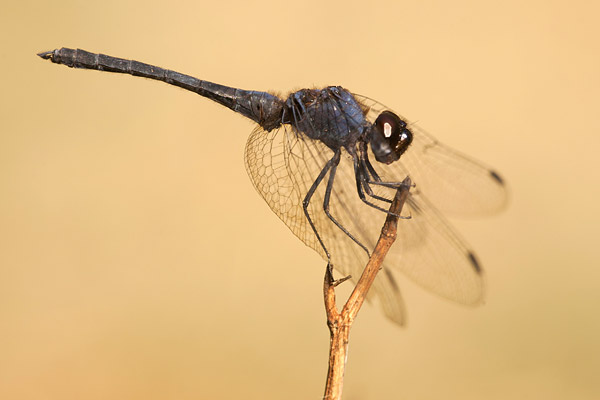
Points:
[332,281]
[336,160]
[364,158]
[306,202]
[361,180]
[368,171]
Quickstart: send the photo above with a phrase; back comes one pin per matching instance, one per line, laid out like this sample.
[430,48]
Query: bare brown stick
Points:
[340,322]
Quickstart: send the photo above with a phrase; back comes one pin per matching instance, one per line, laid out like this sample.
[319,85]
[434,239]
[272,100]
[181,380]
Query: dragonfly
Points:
[328,163]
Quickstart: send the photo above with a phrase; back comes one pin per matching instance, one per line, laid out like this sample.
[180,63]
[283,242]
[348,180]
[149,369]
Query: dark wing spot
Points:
[393,282]
[497,177]
[413,205]
[475,263]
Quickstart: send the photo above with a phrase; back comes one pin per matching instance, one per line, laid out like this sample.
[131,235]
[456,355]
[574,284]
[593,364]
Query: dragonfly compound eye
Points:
[389,137]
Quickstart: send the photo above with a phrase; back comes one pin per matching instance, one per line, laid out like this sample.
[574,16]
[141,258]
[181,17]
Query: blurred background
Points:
[138,262]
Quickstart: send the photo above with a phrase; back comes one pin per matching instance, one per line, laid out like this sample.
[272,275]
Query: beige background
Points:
[137,261]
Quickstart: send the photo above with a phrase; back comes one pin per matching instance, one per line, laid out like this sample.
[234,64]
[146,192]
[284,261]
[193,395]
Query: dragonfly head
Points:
[389,137]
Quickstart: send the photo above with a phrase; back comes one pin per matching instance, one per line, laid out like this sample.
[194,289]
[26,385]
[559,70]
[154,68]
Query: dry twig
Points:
[340,322]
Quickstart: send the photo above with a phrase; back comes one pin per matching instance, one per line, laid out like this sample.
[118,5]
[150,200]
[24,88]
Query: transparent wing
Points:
[283,165]
[454,183]
[427,249]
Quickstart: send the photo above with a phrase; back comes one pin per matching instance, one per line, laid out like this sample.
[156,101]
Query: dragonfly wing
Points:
[432,254]
[455,183]
[283,165]
[427,249]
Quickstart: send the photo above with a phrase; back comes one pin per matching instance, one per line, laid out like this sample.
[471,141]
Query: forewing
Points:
[456,184]
[427,249]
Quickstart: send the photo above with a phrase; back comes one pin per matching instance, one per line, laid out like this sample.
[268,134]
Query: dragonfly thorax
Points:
[344,123]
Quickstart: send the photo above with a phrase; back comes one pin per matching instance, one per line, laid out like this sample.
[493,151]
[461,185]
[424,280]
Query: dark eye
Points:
[389,137]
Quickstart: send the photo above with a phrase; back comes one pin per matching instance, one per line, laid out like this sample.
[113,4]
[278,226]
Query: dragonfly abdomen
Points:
[261,107]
